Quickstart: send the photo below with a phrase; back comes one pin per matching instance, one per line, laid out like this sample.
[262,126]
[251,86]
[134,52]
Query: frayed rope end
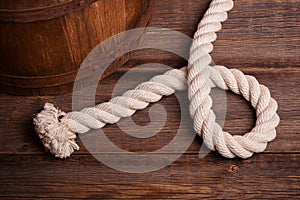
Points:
[55,134]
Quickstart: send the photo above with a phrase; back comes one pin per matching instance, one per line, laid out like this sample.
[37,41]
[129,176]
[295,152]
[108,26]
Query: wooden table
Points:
[261,38]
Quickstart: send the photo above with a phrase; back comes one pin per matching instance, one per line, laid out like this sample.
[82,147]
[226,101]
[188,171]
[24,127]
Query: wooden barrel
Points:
[43,42]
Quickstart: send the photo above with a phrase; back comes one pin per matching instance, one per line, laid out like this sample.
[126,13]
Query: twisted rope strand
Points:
[57,129]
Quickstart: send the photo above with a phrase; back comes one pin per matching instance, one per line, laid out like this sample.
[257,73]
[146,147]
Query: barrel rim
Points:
[42,13]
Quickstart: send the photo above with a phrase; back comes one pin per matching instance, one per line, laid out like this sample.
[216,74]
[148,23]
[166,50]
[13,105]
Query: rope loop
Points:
[57,129]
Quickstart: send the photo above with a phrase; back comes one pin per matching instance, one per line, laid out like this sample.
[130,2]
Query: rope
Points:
[58,129]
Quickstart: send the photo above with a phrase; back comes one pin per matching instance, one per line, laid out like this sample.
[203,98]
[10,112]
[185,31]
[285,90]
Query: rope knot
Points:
[54,133]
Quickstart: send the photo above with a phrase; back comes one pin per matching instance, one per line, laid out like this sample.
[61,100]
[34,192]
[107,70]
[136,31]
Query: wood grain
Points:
[83,177]
[261,38]
[260,33]
[43,57]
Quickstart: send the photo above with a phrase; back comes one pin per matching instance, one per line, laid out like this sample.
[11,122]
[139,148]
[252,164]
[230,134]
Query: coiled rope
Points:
[58,129]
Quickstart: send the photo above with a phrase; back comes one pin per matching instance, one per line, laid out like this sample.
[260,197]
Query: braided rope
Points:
[57,129]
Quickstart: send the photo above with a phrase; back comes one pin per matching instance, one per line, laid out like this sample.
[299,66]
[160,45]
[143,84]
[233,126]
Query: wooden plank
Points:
[261,177]
[257,33]
[18,134]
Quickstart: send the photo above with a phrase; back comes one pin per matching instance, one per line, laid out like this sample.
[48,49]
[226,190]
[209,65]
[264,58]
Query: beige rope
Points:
[57,129]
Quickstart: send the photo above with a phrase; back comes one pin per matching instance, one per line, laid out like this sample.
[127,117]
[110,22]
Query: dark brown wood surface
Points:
[262,38]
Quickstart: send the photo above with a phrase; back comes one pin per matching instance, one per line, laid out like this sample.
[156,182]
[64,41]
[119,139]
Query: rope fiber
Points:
[58,129]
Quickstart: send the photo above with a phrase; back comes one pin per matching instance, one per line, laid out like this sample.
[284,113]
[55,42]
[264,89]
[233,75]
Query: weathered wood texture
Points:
[261,38]
[261,33]
[263,177]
